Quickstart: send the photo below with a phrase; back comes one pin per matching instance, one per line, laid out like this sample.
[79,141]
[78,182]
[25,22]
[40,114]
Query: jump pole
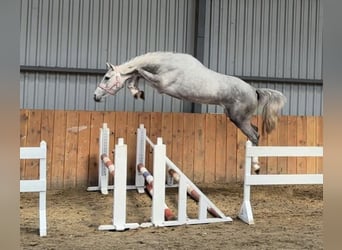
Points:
[168,214]
[160,163]
[246,213]
[103,176]
[192,192]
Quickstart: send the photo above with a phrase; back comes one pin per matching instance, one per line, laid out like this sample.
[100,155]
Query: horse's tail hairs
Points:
[272,102]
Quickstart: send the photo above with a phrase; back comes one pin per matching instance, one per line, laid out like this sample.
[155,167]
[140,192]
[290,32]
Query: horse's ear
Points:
[109,66]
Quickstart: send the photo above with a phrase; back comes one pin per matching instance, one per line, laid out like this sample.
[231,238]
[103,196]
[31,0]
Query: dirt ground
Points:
[286,217]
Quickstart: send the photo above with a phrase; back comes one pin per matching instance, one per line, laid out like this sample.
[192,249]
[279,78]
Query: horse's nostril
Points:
[96,99]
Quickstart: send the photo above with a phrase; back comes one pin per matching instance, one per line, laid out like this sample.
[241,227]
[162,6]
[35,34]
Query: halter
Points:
[116,84]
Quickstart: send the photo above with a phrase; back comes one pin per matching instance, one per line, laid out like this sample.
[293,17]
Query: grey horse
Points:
[184,77]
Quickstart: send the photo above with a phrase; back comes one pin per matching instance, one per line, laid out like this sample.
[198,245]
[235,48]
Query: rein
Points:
[109,87]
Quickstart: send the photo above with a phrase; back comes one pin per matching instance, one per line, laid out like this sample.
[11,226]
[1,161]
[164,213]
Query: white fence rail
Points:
[246,214]
[37,185]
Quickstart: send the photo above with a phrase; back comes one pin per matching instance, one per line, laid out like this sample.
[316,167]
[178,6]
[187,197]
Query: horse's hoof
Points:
[142,95]
[257,171]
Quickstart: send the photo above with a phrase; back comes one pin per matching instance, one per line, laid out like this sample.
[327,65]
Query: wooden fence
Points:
[207,147]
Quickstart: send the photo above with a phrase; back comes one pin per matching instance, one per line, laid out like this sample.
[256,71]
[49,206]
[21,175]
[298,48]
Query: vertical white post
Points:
[140,158]
[120,182]
[103,149]
[158,199]
[246,213]
[202,208]
[182,199]
[42,194]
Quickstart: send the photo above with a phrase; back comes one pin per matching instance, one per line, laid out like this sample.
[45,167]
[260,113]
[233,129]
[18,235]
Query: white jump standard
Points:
[37,185]
[120,180]
[160,165]
[246,213]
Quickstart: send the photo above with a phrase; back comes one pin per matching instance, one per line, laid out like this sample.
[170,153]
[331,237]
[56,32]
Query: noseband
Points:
[111,88]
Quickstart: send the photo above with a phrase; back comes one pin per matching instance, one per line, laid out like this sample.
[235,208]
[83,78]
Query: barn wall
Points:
[207,147]
[271,43]
[85,34]
[266,42]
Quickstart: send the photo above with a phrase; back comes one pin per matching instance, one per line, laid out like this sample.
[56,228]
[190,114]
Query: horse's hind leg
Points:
[255,127]
[248,129]
[251,131]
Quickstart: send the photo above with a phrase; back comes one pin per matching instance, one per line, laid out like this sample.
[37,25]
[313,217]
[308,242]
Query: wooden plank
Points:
[67,149]
[120,128]
[310,141]
[301,141]
[188,147]
[221,148]
[71,145]
[167,132]
[177,140]
[33,140]
[231,166]
[319,142]
[240,155]
[263,141]
[272,140]
[155,130]
[24,116]
[83,159]
[292,141]
[131,141]
[96,122]
[144,118]
[210,137]
[199,165]
[47,130]
[282,141]
[58,158]
[109,118]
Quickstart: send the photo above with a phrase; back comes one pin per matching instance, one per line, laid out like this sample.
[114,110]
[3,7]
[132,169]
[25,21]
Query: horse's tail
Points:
[272,102]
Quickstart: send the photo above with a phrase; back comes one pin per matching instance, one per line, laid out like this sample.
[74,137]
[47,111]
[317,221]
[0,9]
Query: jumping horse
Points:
[184,77]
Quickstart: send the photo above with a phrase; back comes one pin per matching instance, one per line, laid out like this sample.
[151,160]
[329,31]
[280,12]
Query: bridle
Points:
[110,88]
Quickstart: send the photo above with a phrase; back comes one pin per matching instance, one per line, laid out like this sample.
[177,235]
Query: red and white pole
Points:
[108,163]
[168,214]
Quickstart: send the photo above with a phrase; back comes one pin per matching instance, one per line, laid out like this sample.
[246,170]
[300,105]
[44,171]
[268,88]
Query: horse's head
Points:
[110,83]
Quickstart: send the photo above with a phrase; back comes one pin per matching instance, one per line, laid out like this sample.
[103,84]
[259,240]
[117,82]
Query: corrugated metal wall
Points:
[85,34]
[253,39]
[277,39]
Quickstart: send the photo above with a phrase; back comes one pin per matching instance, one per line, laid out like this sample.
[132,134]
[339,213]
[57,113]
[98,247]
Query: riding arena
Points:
[193,124]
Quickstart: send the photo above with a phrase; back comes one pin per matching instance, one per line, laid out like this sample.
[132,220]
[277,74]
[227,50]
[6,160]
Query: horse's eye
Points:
[106,78]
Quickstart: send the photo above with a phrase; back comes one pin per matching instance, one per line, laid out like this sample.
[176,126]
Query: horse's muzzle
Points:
[97,99]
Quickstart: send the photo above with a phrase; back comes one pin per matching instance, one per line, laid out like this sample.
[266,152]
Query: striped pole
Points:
[108,163]
[168,214]
[192,193]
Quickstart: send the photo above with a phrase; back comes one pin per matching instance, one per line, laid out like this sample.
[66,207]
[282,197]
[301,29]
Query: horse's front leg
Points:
[133,87]
[155,79]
